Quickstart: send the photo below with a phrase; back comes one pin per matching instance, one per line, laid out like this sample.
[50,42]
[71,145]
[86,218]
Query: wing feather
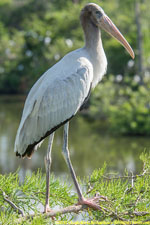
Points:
[58,101]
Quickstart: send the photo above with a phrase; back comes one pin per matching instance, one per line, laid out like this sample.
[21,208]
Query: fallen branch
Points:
[69,209]
[77,209]
[53,213]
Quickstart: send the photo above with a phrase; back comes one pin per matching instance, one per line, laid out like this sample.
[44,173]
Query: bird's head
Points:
[99,19]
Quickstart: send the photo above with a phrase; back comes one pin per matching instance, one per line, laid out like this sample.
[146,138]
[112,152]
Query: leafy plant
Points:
[123,198]
[125,105]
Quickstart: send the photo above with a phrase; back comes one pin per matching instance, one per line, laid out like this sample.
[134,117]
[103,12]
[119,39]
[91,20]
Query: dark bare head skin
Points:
[94,15]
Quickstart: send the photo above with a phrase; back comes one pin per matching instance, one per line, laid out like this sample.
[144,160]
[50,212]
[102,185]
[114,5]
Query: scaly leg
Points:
[48,166]
[66,155]
[82,201]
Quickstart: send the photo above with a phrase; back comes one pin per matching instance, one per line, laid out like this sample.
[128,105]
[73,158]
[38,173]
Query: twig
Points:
[137,199]
[69,209]
[16,208]
[53,213]
[126,177]
[143,213]
[114,214]
[132,180]
[90,188]
[77,209]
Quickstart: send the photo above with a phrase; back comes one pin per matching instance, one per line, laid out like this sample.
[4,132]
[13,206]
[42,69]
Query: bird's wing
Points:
[57,103]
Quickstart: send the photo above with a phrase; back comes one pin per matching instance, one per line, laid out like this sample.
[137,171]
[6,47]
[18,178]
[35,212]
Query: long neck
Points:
[92,34]
[93,44]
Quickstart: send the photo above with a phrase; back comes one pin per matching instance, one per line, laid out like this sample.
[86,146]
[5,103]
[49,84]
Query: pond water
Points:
[89,147]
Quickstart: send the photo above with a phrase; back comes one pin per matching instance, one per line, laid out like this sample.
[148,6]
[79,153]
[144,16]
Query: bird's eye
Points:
[98,14]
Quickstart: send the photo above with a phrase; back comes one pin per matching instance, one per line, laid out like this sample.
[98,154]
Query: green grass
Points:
[127,198]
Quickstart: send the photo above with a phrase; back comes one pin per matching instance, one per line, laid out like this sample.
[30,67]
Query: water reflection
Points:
[89,148]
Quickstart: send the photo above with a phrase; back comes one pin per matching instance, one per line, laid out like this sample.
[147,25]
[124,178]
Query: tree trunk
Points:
[139,40]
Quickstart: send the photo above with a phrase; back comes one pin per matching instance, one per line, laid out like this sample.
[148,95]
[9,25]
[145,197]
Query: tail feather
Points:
[33,147]
[30,150]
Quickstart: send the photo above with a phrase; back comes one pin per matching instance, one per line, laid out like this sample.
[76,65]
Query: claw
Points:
[91,203]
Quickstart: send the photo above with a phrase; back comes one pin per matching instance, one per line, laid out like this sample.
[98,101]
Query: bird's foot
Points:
[93,202]
[47,209]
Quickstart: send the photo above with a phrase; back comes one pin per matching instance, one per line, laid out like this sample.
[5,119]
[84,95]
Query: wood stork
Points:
[62,91]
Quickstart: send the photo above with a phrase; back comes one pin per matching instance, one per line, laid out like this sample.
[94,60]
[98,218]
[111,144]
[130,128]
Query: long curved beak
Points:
[107,25]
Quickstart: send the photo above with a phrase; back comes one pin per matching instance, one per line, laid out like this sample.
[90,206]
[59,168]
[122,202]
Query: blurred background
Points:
[115,127]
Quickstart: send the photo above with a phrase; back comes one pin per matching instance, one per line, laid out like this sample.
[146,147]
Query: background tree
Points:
[35,34]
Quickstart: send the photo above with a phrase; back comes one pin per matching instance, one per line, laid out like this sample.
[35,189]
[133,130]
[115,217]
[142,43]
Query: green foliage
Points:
[126,196]
[33,38]
[122,198]
[30,195]
[34,35]
[124,105]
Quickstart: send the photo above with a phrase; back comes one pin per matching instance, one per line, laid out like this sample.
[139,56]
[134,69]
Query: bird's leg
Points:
[66,155]
[48,166]
[82,201]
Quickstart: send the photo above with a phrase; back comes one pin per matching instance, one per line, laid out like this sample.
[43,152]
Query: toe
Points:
[91,203]
[47,209]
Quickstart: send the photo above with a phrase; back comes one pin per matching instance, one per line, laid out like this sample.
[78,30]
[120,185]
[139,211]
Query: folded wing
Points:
[49,106]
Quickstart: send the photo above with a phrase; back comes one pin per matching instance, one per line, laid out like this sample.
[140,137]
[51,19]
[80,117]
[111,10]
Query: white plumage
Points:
[62,90]
[56,97]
